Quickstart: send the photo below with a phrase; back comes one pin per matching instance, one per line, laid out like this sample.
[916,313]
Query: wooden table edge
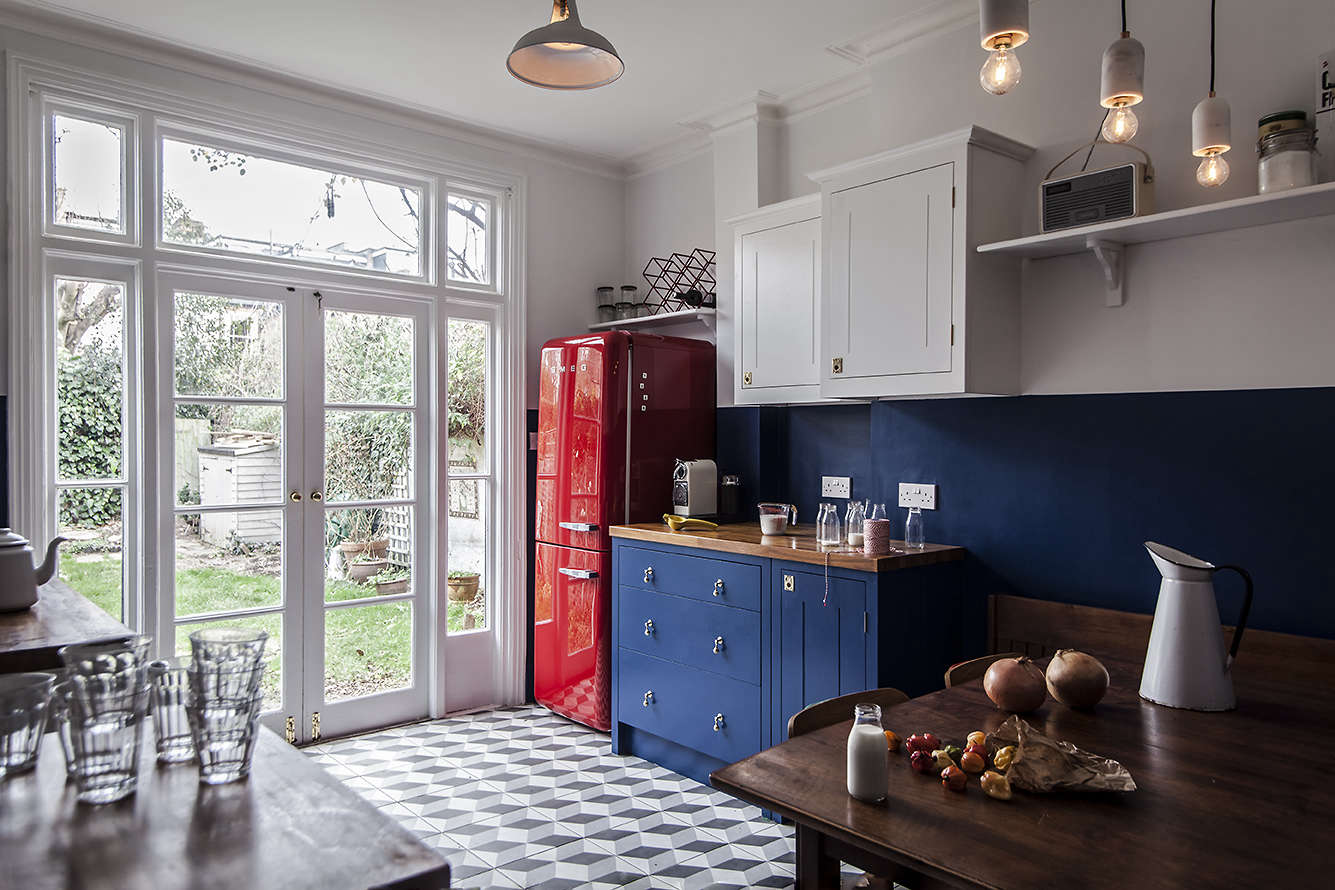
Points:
[804,820]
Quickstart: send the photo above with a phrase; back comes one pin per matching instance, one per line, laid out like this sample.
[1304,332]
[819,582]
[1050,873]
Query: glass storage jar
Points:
[1286,146]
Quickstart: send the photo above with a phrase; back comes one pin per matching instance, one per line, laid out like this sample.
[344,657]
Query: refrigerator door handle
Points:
[580,526]
[582,574]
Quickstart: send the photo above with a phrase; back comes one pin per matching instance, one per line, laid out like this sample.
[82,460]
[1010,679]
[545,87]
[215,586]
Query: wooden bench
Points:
[1038,628]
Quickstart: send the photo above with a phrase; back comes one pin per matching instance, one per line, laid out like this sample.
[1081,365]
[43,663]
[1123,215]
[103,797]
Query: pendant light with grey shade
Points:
[1002,26]
[1211,122]
[565,55]
[1122,85]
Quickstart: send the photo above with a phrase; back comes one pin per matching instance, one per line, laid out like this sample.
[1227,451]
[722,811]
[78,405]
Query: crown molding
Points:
[922,24]
[760,106]
[669,154]
[45,19]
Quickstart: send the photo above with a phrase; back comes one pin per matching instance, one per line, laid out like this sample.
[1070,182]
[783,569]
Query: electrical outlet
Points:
[921,495]
[836,486]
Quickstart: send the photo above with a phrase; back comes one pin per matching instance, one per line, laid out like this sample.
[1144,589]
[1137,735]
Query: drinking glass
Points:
[224,728]
[24,700]
[59,714]
[827,526]
[168,690]
[124,658]
[227,647]
[106,717]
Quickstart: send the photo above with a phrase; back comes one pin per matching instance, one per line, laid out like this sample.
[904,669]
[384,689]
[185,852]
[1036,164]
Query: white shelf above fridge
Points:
[1108,239]
[704,316]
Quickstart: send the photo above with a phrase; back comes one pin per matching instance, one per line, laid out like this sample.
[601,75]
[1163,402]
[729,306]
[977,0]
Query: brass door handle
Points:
[718,587]
[648,574]
[648,697]
[317,495]
[718,645]
[294,496]
[649,628]
[718,722]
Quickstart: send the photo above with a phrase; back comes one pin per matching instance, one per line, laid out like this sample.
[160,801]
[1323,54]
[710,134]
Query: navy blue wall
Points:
[1053,495]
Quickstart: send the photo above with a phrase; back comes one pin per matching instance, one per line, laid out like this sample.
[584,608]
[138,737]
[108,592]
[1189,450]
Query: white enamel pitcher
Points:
[1186,665]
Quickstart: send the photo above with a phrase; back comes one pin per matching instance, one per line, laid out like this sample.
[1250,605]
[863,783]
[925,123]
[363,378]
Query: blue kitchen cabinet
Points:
[713,651]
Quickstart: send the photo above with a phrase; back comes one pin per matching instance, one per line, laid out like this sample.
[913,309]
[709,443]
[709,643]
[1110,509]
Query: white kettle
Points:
[18,578]
[1186,665]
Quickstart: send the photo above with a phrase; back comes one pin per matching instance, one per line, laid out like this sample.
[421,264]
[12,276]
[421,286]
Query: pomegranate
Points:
[1015,684]
[1076,679]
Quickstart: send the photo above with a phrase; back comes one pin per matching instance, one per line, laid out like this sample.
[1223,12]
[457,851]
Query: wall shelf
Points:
[704,316]
[1107,240]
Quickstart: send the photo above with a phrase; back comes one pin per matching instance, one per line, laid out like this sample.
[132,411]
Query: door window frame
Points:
[155,105]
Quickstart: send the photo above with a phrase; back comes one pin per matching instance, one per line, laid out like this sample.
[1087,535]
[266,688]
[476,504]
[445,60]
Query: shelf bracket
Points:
[1110,255]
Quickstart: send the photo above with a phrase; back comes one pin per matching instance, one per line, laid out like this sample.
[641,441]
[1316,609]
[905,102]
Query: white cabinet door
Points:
[779,282]
[891,259]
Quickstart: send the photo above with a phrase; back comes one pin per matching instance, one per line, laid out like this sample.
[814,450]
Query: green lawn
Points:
[367,648]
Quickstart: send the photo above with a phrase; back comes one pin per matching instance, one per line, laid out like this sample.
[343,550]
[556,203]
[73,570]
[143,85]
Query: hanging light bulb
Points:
[1120,124]
[564,55]
[1003,25]
[1211,123]
[1122,85]
[1213,171]
[1001,71]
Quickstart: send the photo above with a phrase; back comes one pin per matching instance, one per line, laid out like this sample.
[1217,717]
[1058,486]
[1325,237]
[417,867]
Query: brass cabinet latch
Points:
[837,366]
[315,726]
[290,732]
[789,583]
[746,378]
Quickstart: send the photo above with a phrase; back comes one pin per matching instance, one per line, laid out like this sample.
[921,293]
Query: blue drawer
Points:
[717,638]
[683,705]
[699,577]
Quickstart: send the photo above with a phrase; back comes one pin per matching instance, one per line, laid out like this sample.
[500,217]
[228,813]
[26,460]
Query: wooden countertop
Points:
[800,546]
[29,639]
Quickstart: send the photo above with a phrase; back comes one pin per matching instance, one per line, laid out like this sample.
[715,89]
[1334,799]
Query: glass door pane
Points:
[366,634]
[235,413]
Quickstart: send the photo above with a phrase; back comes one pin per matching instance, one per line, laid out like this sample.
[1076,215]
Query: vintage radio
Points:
[1096,196]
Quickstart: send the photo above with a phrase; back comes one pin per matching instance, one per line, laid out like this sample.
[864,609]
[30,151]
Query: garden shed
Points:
[241,467]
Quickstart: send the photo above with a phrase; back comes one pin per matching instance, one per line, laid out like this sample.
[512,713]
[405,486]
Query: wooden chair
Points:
[974,668]
[836,710]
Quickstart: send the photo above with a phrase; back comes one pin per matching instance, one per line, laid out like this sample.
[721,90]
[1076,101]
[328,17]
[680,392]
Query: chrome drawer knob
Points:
[649,628]
[648,697]
[648,574]
[718,722]
[718,645]
[718,587]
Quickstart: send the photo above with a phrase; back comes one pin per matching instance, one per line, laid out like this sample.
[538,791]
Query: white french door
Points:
[295,434]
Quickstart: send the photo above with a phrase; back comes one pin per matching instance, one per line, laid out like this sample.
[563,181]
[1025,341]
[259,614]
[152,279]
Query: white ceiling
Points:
[683,59]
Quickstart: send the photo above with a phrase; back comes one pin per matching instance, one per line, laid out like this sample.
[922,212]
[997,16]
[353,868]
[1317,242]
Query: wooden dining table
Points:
[1243,798]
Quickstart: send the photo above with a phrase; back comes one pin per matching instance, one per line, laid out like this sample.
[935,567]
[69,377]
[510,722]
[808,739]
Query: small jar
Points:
[607,313]
[1287,152]
[625,310]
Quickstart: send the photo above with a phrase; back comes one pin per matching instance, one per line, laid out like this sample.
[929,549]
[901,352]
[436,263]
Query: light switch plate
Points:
[836,486]
[914,494]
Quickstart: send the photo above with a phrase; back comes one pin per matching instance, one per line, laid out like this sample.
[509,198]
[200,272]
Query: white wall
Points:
[576,212]
[1235,310]
[668,209]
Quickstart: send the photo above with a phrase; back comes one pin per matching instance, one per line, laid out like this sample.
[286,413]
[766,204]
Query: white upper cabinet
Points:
[910,308]
[777,274]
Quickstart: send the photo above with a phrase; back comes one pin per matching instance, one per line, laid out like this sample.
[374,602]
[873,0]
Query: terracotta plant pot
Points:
[360,571]
[391,587]
[463,590]
[350,549]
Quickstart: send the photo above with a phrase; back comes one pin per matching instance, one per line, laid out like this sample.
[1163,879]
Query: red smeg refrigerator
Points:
[614,410]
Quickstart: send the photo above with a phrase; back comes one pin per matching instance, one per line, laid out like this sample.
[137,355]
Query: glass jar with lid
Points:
[1286,147]
[606,301]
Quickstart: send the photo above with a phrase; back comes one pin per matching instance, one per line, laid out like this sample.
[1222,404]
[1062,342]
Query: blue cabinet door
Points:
[820,639]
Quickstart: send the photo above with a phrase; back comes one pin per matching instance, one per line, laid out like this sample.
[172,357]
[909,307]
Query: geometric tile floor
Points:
[521,797]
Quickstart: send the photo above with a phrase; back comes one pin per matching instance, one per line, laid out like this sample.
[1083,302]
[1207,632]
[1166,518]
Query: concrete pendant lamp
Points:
[564,55]
[1003,25]
[1211,122]
[1122,85]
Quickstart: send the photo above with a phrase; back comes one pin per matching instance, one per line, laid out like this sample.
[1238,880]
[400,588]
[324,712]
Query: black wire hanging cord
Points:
[1212,3]
[1090,154]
